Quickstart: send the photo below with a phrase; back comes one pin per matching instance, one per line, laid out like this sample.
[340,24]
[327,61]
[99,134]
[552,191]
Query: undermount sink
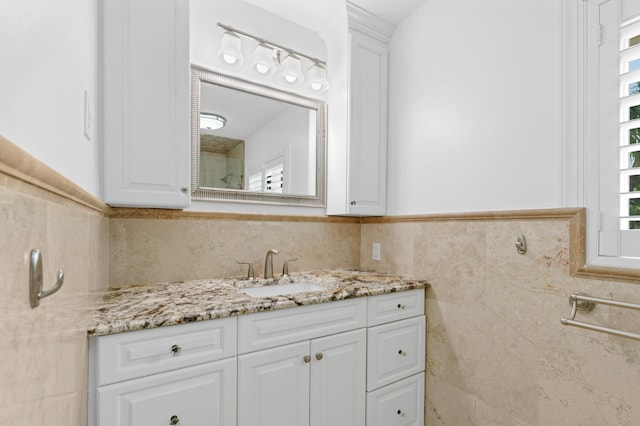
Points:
[281,289]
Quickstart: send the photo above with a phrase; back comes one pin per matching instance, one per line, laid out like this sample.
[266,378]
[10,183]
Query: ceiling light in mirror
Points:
[212,121]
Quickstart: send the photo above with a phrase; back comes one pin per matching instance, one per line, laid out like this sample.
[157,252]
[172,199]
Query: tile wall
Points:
[497,353]
[43,372]
[179,246]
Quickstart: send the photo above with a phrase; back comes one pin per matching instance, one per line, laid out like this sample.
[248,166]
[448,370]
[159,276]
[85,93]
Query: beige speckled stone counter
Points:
[149,306]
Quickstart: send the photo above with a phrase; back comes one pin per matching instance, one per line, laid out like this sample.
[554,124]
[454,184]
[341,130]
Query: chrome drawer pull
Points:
[400,306]
[174,420]
[401,413]
[175,351]
[401,352]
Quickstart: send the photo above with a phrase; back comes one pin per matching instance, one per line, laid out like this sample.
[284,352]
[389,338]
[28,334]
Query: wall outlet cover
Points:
[375,252]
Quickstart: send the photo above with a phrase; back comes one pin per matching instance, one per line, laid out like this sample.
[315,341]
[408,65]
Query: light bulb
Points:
[263,62]
[230,59]
[230,51]
[292,69]
[317,78]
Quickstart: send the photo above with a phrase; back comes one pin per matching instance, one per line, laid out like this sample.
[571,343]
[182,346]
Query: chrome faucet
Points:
[268,263]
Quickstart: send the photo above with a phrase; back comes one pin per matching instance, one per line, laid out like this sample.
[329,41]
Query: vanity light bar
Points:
[280,48]
[268,55]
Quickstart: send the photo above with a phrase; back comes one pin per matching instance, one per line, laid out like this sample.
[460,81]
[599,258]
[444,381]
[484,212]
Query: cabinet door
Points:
[145,86]
[201,395]
[273,386]
[367,162]
[338,379]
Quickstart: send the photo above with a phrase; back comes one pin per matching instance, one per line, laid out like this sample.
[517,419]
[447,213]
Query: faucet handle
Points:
[285,265]
[250,273]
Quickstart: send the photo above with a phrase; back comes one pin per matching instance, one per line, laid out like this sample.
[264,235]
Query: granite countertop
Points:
[149,306]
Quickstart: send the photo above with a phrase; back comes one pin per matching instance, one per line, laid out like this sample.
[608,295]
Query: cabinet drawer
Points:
[399,404]
[395,306]
[136,354]
[394,351]
[269,329]
[200,395]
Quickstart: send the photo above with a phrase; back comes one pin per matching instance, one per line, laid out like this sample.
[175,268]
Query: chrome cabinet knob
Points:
[175,350]
[401,352]
[184,190]
[319,356]
[401,413]
[174,420]
[400,306]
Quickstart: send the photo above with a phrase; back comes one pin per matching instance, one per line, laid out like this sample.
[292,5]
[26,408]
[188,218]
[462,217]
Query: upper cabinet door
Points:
[145,91]
[367,155]
[357,134]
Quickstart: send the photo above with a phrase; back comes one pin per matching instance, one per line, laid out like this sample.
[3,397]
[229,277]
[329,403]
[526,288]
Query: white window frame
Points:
[583,171]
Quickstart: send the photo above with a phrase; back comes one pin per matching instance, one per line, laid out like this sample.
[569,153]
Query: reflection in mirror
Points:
[253,143]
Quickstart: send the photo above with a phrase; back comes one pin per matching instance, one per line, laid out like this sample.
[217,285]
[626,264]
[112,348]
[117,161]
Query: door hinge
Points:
[600,31]
[599,221]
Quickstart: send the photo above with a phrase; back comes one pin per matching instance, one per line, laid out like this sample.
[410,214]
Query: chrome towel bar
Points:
[583,302]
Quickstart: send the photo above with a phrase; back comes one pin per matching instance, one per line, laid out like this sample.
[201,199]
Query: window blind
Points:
[629,128]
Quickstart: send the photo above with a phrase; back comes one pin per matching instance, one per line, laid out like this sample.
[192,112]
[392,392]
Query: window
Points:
[602,100]
[270,178]
[274,179]
[630,126]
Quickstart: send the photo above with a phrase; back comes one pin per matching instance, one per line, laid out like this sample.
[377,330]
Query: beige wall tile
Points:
[44,368]
[497,353]
[162,250]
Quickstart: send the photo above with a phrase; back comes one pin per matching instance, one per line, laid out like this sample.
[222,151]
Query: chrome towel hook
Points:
[521,244]
[36,293]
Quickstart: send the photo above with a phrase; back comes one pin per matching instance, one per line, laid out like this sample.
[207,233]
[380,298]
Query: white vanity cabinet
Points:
[319,381]
[355,362]
[183,374]
[357,139]
[144,48]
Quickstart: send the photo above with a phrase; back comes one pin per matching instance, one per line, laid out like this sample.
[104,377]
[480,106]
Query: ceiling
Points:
[317,15]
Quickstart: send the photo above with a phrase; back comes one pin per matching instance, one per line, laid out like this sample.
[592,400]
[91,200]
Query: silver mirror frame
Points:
[201,75]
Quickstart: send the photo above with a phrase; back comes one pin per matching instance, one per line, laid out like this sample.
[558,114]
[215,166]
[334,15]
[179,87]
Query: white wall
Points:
[630,9]
[49,57]
[285,135]
[475,97]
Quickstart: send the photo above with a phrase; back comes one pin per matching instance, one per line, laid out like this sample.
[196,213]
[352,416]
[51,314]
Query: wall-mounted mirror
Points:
[253,143]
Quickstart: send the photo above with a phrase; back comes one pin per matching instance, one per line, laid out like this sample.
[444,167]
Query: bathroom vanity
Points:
[350,354]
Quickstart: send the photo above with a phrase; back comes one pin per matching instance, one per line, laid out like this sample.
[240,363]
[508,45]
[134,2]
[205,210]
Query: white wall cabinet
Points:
[358,121]
[354,362]
[145,92]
